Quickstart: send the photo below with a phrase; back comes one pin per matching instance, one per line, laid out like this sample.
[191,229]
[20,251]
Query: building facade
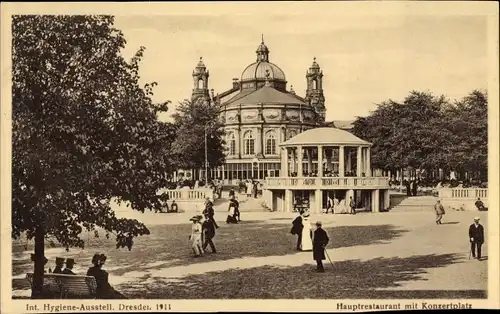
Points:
[259,112]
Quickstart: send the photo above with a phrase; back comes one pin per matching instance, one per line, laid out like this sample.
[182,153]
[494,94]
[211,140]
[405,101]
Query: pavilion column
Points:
[368,163]
[309,160]
[349,160]
[318,200]
[359,161]
[288,201]
[320,161]
[387,200]
[223,173]
[294,160]
[341,162]
[329,157]
[376,201]
[284,162]
[300,172]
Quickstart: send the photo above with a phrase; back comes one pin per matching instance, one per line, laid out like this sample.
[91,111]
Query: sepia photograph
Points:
[248,153]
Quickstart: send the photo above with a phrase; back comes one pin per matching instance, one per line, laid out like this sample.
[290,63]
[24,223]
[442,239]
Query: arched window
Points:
[270,143]
[290,134]
[315,84]
[232,144]
[200,84]
[249,142]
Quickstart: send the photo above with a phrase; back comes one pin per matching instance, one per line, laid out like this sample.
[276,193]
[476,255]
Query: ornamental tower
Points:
[314,92]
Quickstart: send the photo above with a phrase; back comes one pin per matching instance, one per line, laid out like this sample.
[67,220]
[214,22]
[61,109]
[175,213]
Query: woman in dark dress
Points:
[104,289]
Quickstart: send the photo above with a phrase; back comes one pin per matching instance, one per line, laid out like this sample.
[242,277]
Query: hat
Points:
[98,257]
[59,260]
[70,262]
[476,218]
[318,223]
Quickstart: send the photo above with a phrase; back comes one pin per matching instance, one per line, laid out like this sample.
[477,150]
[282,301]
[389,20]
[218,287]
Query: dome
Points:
[325,136]
[258,71]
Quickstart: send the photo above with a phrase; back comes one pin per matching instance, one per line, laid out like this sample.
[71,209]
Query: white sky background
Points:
[366,59]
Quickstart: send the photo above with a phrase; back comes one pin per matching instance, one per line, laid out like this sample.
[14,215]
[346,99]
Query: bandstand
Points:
[326,162]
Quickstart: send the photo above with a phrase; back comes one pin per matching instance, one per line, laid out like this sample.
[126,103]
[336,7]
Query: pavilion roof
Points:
[325,136]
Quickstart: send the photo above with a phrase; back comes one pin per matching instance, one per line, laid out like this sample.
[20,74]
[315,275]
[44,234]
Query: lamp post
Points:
[207,125]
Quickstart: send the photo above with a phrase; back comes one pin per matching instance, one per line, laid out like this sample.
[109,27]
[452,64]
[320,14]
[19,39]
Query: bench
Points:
[67,286]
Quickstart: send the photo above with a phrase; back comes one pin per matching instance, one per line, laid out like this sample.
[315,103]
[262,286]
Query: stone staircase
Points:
[404,203]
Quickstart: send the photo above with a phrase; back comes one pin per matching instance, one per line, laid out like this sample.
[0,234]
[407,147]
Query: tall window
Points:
[232,144]
[200,84]
[249,142]
[270,143]
[315,84]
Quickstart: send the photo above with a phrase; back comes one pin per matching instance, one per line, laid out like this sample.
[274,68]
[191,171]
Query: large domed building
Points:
[259,113]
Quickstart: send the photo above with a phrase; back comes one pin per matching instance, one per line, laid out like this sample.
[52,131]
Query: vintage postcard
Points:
[244,156]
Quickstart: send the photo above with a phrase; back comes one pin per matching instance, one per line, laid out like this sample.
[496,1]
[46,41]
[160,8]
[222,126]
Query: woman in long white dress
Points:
[306,244]
[196,236]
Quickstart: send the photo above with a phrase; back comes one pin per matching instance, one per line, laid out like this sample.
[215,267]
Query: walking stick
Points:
[326,253]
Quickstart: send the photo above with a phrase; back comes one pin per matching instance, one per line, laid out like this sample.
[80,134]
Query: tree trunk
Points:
[36,292]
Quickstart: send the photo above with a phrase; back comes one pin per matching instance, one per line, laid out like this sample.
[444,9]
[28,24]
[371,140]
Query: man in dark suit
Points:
[209,211]
[59,265]
[297,227]
[476,235]
[352,206]
[69,267]
[320,240]
[209,233]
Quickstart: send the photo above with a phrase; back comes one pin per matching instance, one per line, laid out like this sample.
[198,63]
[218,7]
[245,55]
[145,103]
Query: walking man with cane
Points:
[476,235]
[320,240]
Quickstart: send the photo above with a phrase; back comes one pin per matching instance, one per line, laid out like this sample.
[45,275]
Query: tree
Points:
[84,132]
[428,132]
[191,120]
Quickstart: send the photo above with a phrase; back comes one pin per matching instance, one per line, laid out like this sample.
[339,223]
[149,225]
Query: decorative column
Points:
[309,160]
[288,201]
[223,173]
[320,161]
[258,141]
[349,160]
[293,161]
[318,194]
[239,151]
[341,162]
[300,172]
[284,162]
[359,161]
[368,163]
[329,157]
[376,201]
[387,200]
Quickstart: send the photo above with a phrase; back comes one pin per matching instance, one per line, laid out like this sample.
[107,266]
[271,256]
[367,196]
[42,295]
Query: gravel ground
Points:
[374,255]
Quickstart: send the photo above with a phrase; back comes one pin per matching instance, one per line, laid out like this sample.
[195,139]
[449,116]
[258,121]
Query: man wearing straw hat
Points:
[476,235]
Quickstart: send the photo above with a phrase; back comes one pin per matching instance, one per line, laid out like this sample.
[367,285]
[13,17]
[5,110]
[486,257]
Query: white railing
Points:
[189,194]
[325,182]
[463,193]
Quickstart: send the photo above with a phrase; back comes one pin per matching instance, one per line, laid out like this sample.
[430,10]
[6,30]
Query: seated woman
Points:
[104,289]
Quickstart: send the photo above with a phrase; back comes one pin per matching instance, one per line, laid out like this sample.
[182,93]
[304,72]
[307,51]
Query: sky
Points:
[366,59]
